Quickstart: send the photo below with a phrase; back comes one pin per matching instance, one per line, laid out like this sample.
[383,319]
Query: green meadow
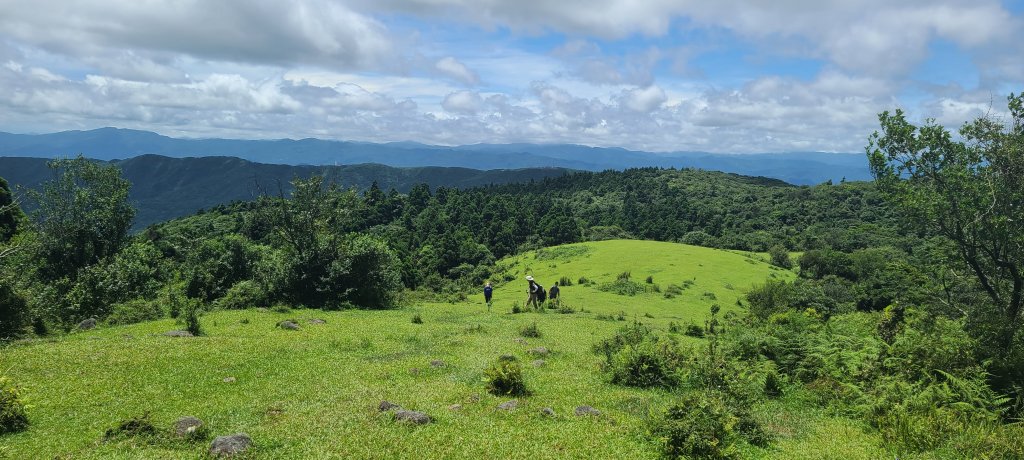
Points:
[314,392]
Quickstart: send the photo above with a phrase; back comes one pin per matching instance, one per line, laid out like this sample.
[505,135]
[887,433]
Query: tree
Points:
[81,216]
[10,213]
[969,190]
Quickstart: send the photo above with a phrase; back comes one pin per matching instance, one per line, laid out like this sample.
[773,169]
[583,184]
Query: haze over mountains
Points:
[801,168]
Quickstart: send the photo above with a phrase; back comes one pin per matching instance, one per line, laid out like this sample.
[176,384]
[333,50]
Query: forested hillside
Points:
[165,188]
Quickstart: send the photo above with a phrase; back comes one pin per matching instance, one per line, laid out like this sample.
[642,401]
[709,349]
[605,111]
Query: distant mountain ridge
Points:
[164,188]
[802,168]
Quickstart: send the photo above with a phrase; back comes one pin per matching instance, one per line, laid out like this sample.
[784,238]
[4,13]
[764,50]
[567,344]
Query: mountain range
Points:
[801,168]
[164,188]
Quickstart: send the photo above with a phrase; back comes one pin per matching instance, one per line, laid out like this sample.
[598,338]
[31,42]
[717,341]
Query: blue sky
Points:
[731,76]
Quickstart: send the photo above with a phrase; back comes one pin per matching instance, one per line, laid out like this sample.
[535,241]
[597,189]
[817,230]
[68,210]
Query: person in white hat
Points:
[535,292]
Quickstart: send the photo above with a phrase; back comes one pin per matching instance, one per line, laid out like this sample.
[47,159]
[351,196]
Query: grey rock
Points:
[520,340]
[227,446]
[539,351]
[317,321]
[455,407]
[178,334]
[87,324]
[547,412]
[291,326]
[188,427]
[538,362]
[509,405]
[587,410]
[230,380]
[437,363]
[413,417]
[385,406]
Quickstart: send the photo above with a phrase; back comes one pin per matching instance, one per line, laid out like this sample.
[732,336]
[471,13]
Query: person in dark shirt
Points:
[488,290]
[553,295]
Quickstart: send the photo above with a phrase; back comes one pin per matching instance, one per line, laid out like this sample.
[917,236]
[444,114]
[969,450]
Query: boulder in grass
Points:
[547,412]
[455,407]
[587,410]
[231,445]
[413,417]
[188,428]
[509,405]
[289,325]
[538,363]
[87,324]
[539,351]
[317,321]
[436,363]
[178,334]
[385,406]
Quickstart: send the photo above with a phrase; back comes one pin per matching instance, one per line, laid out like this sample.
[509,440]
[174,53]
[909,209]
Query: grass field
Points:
[313,393]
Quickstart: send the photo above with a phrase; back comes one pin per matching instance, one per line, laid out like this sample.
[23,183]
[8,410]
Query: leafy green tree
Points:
[10,213]
[82,216]
[969,190]
[375,278]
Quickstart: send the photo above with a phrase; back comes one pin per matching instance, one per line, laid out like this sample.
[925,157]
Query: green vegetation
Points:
[874,345]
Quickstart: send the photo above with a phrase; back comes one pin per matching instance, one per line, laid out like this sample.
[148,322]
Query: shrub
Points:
[623,276]
[650,363]
[650,279]
[693,330]
[244,294]
[769,298]
[190,310]
[623,287]
[565,309]
[673,290]
[12,408]
[674,327]
[583,281]
[135,311]
[133,427]
[530,331]
[565,281]
[779,257]
[13,309]
[504,377]
[699,425]
[417,319]
[517,309]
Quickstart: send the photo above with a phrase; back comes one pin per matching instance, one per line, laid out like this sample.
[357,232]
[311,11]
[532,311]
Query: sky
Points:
[724,76]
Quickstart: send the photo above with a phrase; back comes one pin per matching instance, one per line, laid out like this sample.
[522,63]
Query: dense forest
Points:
[906,311]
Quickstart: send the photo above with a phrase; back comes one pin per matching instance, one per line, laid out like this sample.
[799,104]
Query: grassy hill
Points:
[313,393]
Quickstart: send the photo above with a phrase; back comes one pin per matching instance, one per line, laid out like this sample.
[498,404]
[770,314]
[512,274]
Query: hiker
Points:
[488,290]
[553,295]
[536,291]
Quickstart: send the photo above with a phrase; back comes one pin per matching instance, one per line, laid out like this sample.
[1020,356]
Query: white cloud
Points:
[463,102]
[452,68]
[644,99]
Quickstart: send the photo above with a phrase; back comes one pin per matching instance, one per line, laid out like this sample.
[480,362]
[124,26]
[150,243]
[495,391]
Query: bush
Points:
[417,319]
[141,426]
[190,310]
[623,276]
[244,294]
[135,311]
[565,281]
[530,331]
[374,280]
[650,363]
[650,279]
[779,257]
[505,378]
[699,425]
[12,408]
[623,286]
[13,311]
[769,298]
[694,330]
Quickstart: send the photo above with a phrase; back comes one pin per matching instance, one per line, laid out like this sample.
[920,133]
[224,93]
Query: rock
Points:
[414,371]
[178,334]
[587,410]
[547,412]
[290,325]
[520,340]
[411,416]
[188,427]
[538,362]
[474,398]
[317,321]
[385,406]
[227,446]
[509,405]
[87,324]
[539,351]
[455,407]
[230,380]
[437,363]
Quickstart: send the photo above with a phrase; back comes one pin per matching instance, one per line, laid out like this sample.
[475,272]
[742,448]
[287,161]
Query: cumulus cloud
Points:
[643,99]
[462,102]
[320,32]
[454,69]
